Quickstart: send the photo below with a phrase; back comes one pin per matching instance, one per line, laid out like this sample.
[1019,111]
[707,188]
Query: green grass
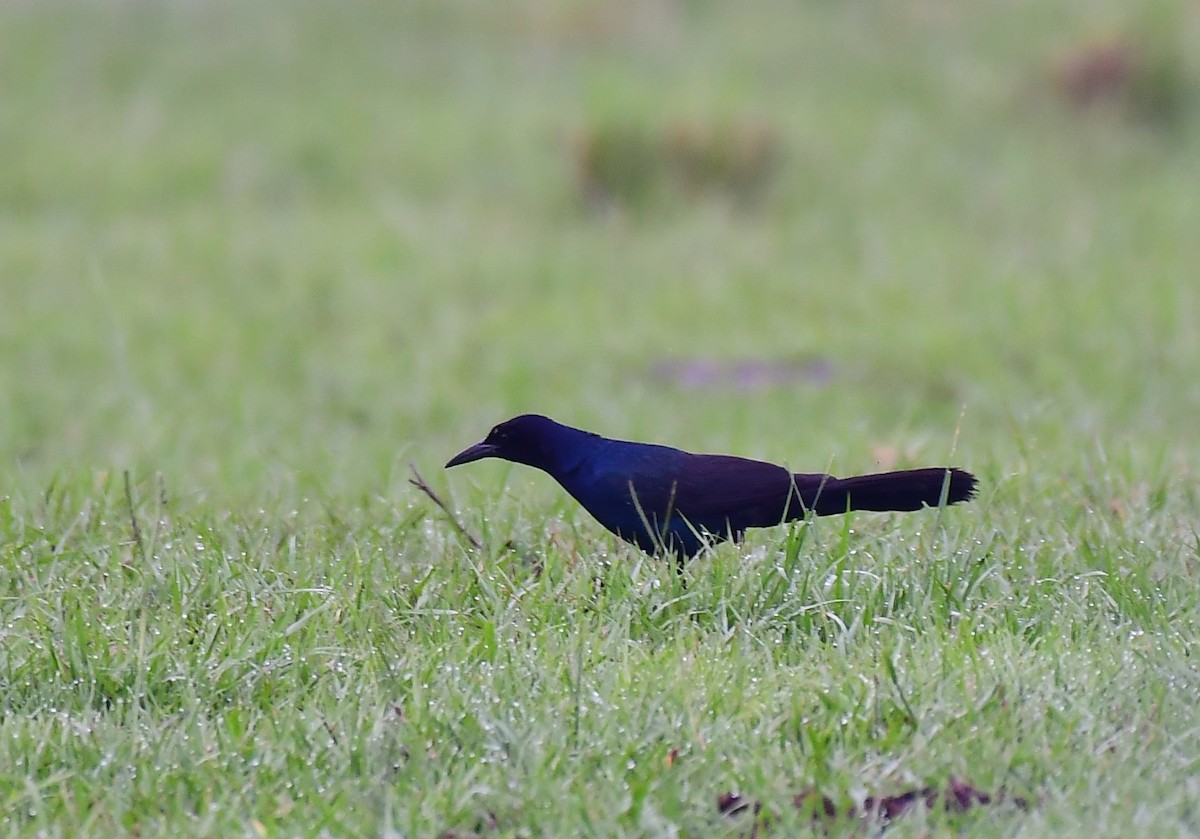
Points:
[259,257]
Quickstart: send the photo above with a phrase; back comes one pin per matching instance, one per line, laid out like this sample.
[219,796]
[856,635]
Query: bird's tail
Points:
[908,490]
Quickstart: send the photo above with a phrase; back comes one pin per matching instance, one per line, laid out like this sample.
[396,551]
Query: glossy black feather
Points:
[664,499]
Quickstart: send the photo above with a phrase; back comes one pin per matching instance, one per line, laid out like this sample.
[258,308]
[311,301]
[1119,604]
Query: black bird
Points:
[667,500]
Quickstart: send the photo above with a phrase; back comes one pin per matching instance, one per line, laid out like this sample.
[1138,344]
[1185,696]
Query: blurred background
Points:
[281,249]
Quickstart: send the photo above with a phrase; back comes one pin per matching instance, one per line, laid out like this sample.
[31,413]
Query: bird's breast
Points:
[615,495]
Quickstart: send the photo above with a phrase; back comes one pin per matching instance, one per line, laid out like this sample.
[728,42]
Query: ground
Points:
[257,259]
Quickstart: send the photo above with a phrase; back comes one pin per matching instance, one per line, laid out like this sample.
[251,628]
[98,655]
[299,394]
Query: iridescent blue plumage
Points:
[667,500]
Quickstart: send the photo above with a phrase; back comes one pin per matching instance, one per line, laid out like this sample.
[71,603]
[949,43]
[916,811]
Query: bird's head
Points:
[525,439]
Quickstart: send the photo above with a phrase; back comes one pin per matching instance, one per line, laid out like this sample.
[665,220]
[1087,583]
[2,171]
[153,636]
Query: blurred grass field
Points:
[260,257]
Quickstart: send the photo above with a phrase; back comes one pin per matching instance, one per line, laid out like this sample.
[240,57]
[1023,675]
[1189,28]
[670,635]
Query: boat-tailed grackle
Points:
[665,500]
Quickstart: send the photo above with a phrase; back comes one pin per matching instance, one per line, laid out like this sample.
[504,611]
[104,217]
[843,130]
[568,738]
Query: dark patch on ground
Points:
[1143,77]
[958,796]
[628,164]
[746,375]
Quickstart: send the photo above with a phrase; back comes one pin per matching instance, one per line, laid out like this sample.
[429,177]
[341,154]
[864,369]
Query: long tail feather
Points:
[907,490]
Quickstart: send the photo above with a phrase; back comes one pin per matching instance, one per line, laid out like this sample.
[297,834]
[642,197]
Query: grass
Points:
[260,257]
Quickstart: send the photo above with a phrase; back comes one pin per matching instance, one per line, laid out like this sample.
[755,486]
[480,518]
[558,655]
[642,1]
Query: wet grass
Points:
[259,259]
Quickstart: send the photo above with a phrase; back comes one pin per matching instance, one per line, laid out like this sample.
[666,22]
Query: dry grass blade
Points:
[133,520]
[420,483]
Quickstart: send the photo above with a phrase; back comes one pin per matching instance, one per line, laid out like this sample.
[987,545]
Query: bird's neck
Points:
[568,450]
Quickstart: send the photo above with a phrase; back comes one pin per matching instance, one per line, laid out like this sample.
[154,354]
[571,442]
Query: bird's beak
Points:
[476,452]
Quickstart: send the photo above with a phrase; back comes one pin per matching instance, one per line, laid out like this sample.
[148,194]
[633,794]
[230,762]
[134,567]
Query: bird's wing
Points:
[720,491]
[720,484]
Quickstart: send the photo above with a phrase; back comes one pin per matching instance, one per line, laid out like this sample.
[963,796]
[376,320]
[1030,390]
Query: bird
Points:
[667,501]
